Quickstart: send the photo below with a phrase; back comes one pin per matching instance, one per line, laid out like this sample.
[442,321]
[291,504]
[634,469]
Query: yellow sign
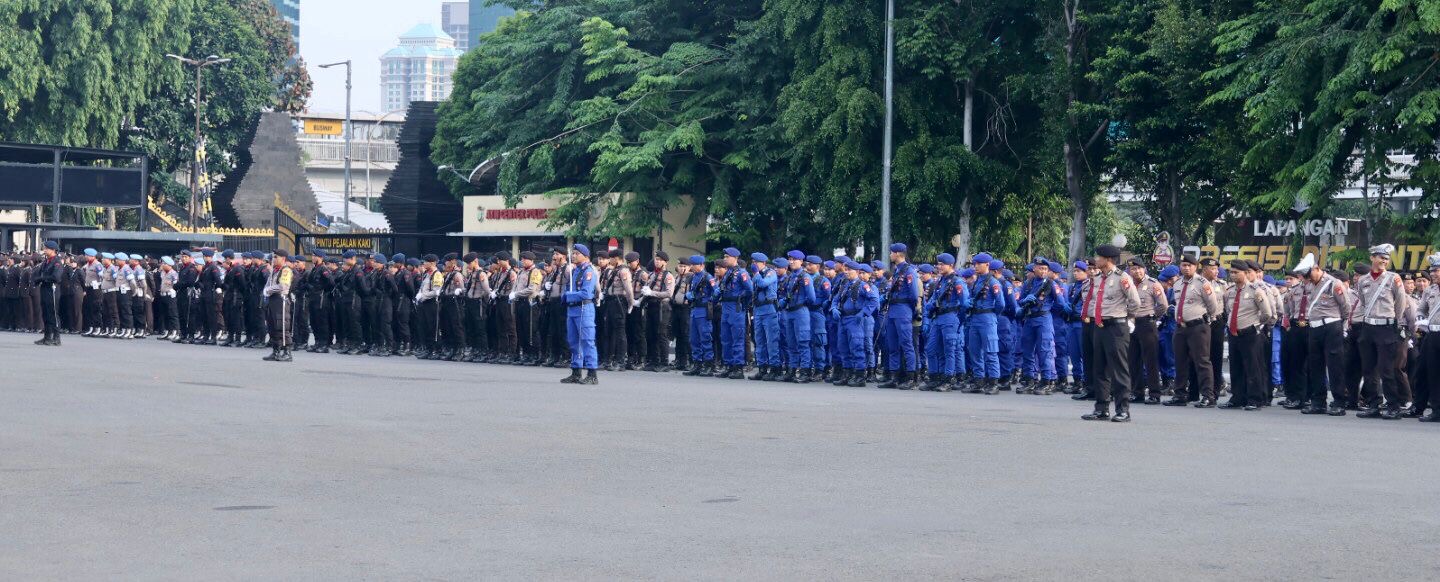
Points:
[1278,257]
[324,126]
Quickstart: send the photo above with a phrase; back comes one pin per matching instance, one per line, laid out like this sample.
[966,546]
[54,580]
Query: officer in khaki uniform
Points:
[1145,340]
[1111,301]
[1321,311]
[1197,305]
[276,302]
[1386,325]
[1248,310]
[1428,376]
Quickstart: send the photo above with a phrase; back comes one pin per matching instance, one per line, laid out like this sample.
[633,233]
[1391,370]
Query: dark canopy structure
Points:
[55,176]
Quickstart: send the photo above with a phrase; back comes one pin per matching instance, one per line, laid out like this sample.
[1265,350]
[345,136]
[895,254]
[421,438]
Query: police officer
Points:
[275,299]
[944,346]
[528,292]
[1247,310]
[1110,301]
[477,293]
[982,335]
[1387,324]
[1428,313]
[860,299]
[701,294]
[656,294]
[556,279]
[427,310]
[1040,297]
[680,315]
[319,286]
[735,290]
[1145,340]
[580,298]
[48,275]
[617,299]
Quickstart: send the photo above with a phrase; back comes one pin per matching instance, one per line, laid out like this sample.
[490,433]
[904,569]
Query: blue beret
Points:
[982,258]
[122,256]
[413,262]
[1082,265]
[1269,279]
[1029,268]
[229,254]
[945,259]
[110,256]
[1169,273]
[379,258]
[1008,274]
[90,252]
[583,250]
[967,273]
[207,253]
[829,264]
[997,265]
[168,261]
[318,253]
[1223,273]
[52,245]
[877,265]
[137,257]
[866,268]
[759,257]
[927,269]
[398,258]
[348,254]
[697,260]
[797,255]
[814,259]
[898,248]
[430,258]
[732,251]
[779,262]
[1054,266]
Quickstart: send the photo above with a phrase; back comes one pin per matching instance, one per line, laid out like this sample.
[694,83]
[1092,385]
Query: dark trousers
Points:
[1144,355]
[122,310]
[614,338]
[475,335]
[300,316]
[1248,378]
[112,309]
[525,345]
[167,315]
[94,299]
[254,318]
[404,312]
[50,308]
[210,314]
[382,323]
[504,316]
[235,315]
[635,335]
[680,328]
[1110,347]
[369,315]
[1217,353]
[350,318]
[1380,350]
[319,307]
[657,331]
[277,321]
[452,325]
[1427,377]
[556,346]
[1293,346]
[1192,360]
[427,318]
[1087,351]
[1354,372]
[1325,361]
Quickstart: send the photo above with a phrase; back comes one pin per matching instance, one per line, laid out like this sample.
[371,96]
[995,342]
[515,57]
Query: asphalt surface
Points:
[147,460]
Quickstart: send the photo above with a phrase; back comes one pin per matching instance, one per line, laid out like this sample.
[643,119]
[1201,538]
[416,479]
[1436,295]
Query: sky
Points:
[360,31]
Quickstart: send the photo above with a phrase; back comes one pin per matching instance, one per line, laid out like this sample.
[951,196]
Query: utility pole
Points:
[195,161]
[348,133]
[889,131]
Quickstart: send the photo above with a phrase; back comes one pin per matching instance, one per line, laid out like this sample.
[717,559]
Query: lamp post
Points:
[348,133]
[199,65]
[369,138]
[889,130]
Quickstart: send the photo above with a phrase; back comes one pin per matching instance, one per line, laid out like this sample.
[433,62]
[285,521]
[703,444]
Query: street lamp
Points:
[369,138]
[889,130]
[348,132]
[199,65]
[480,169]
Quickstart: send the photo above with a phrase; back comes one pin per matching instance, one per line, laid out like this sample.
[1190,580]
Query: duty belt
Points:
[981,311]
[944,310]
[1433,328]
[1379,321]
[1196,321]
[764,302]
[794,307]
[1319,322]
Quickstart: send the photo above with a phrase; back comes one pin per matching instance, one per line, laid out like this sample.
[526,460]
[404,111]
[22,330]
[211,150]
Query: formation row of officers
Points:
[1325,341]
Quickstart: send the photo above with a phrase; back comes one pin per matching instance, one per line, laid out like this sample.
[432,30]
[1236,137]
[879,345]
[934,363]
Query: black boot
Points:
[1102,412]
[573,378]
[274,355]
[285,355]
[788,375]
[802,376]
[909,380]
[990,386]
[760,373]
[934,383]
[889,380]
[840,377]
[857,379]
[590,377]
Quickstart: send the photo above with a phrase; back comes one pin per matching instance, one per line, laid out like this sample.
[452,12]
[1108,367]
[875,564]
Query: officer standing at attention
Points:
[819,335]
[982,337]
[797,295]
[275,300]
[767,324]
[1197,304]
[1040,296]
[1247,309]
[735,290]
[580,297]
[859,301]
[1110,301]
[1428,312]
[903,300]
[1387,324]
[1145,340]
[680,315]
[48,275]
[656,294]
[944,347]
[700,293]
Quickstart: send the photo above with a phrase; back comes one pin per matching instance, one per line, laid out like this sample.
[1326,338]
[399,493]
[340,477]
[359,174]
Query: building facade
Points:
[419,69]
[489,225]
[485,19]
[455,21]
[290,11]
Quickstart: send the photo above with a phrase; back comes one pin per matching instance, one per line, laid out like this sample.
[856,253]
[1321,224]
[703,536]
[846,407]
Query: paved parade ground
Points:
[147,460]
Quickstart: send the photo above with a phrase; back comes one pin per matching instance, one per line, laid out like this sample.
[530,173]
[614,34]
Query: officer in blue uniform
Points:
[766,323]
[1167,330]
[580,297]
[836,332]
[902,299]
[735,291]
[944,345]
[701,295]
[796,299]
[1005,325]
[982,333]
[1059,324]
[1079,272]
[819,335]
[853,306]
[1041,296]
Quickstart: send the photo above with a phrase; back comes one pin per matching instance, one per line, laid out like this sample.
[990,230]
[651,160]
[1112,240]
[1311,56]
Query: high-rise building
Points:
[290,11]
[455,21]
[485,19]
[419,69]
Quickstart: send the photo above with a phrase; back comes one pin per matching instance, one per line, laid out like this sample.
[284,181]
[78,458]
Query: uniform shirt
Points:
[278,283]
[735,287]
[860,298]
[1042,296]
[580,288]
[798,291]
[682,289]
[765,284]
[527,283]
[1428,308]
[1382,297]
[92,274]
[616,283]
[1196,298]
[141,284]
[1247,306]
[168,281]
[477,286]
[949,295]
[557,279]
[639,279]
[453,284]
[430,285]
[107,278]
[700,289]
[822,292]
[988,295]
[1152,298]
[661,284]
[904,287]
[1115,294]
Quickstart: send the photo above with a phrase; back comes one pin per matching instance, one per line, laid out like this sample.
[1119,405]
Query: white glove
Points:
[512,295]
[124,289]
[1131,323]
[645,291]
[635,303]
[492,294]
[549,286]
[1423,323]
[95,285]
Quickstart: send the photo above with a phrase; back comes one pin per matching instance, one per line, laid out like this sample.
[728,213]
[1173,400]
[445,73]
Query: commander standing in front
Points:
[1110,301]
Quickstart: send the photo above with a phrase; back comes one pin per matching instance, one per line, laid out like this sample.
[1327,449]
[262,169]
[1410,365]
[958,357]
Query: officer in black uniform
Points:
[47,275]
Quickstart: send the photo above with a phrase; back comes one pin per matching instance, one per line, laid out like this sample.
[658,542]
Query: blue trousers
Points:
[983,338]
[945,346]
[580,334]
[1275,378]
[836,336]
[702,339]
[732,334]
[867,324]
[797,338]
[1037,343]
[1167,353]
[1062,345]
[855,352]
[1006,333]
[1077,350]
[900,338]
[819,340]
[767,339]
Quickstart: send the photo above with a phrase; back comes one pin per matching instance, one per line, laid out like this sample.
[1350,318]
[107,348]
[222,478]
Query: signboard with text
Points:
[324,126]
[1269,242]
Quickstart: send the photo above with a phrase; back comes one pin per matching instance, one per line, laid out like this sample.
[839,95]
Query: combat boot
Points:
[934,382]
[857,379]
[274,355]
[909,380]
[694,371]
[840,378]
[760,373]
[990,386]
[802,376]
[590,378]
[889,381]
[788,375]
[285,355]
[1046,388]
[573,378]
